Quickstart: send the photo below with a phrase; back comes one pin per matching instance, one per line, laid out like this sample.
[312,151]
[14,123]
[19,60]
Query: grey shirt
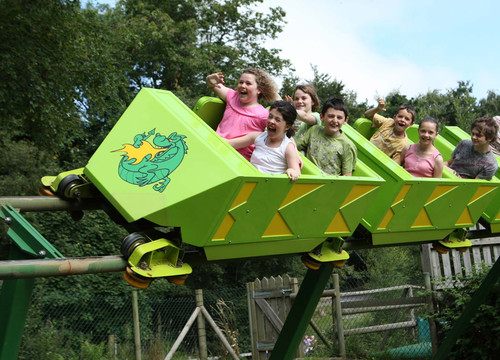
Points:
[470,164]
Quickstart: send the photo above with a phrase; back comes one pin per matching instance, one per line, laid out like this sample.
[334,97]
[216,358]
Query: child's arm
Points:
[309,119]
[243,141]
[292,160]
[371,112]
[216,83]
[402,156]
[438,167]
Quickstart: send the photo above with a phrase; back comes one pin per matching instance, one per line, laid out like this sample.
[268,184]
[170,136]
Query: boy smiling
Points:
[473,159]
[327,146]
[391,134]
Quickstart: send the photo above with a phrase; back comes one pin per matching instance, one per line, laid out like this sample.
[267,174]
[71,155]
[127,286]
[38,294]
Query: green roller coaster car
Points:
[163,166]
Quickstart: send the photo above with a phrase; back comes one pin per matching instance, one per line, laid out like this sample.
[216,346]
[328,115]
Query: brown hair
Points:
[487,125]
[311,91]
[410,109]
[264,83]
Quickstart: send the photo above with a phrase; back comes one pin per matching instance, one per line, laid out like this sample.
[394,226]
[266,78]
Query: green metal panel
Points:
[215,195]
[408,209]
[160,113]
[453,135]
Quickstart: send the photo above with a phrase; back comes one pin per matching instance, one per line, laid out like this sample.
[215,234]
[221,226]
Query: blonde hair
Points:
[264,82]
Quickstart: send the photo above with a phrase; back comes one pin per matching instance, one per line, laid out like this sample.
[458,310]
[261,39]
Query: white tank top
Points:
[269,160]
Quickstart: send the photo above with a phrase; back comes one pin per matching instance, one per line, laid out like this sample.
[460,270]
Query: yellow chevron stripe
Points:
[465,218]
[422,219]
[387,218]
[439,191]
[244,194]
[224,227]
[483,190]
[297,191]
[337,225]
[277,227]
[356,192]
[402,193]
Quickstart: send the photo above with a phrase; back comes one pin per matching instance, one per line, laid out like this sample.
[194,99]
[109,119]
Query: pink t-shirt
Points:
[238,121]
[419,166]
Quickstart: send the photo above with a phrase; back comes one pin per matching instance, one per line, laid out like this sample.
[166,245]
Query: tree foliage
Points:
[479,341]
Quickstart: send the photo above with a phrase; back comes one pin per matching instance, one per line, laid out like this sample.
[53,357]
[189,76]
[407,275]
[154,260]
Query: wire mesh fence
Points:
[62,326]
[365,322]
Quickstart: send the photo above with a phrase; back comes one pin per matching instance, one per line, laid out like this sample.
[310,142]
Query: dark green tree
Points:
[173,45]
[489,106]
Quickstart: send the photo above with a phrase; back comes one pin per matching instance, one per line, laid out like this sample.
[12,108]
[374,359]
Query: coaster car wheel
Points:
[130,242]
[136,280]
[338,263]
[45,191]
[440,248]
[310,262]
[177,279]
[67,184]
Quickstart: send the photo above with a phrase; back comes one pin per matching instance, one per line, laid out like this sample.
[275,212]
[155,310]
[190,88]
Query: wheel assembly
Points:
[136,280]
[45,191]
[439,248]
[130,243]
[178,279]
[310,262]
[67,184]
[338,263]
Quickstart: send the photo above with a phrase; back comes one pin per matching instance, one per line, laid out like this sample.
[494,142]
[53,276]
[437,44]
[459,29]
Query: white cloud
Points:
[342,38]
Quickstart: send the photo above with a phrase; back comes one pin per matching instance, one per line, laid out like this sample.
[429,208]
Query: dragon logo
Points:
[147,163]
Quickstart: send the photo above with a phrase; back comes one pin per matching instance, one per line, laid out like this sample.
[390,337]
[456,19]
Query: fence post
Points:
[430,310]
[137,330]
[202,334]
[338,316]
[252,316]
[111,346]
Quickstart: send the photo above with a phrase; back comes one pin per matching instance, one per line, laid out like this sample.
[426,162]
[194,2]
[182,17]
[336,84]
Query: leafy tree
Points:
[57,72]
[489,106]
[173,45]
[479,341]
[461,106]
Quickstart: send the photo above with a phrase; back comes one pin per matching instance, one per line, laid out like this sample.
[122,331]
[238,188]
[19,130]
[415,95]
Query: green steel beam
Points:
[301,312]
[470,310]
[26,237]
[15,299]
[15,295]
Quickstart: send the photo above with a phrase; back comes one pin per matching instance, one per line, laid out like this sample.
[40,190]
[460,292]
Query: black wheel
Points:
[68,183]
[130,243]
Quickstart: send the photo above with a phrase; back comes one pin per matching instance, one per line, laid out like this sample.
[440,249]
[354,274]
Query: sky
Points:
[375,47]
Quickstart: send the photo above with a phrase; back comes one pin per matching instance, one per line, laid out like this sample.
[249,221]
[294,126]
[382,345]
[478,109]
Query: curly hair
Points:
[264,82]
